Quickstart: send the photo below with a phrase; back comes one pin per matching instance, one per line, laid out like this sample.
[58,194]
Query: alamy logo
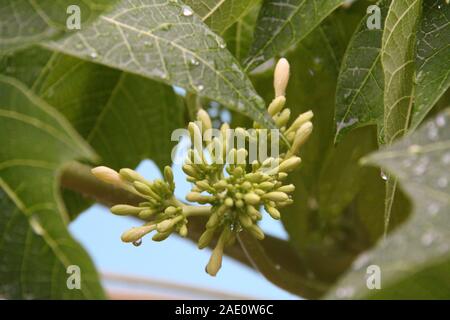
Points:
[73,21]
[74,280]
[374,19]
[373,279]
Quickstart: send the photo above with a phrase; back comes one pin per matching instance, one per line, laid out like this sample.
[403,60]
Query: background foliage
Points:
[105,94]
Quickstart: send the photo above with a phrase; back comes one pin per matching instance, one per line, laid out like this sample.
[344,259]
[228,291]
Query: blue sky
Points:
[175,259]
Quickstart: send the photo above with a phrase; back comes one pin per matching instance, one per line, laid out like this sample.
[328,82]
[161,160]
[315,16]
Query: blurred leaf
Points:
[36,246]
[25,22]
[156,39]
[359,93]
[397,58]
[413,259]
[220,14]
[283,23]
[433,63]
[240,35]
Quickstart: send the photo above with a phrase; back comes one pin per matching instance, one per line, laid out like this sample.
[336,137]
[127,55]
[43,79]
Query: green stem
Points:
[192,211]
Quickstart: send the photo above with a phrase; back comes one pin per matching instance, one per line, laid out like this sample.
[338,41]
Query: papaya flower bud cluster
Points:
[229,186]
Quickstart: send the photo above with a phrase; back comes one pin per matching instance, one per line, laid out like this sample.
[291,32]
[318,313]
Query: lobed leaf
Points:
[156,39]
[283,23]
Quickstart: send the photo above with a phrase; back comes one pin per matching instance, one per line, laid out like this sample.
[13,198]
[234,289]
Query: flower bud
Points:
[183,231]
[190,170]
[161,236]
[276,196]
[215,262]
[213,221]
[301,119]
[256,232]
[107,175]
[205,238]
[276,105]
[131,175]
[281,77]
[287,188]
[283,118]
[274,213]
[136,233]
[245,220]
[252,198]
[195,134]
[203,116]
[289,164]
[123,210]
[301,136]
[147,213]
[168,175]
[252,212]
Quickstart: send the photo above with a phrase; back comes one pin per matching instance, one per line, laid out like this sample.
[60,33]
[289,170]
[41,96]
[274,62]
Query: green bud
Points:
[252,198]
[203,116]
[245,220]
[276,196]
[221,185]
[136,233]
[254,213]
[276,105]
[229,202]
[301,119]
[301,136]
[213,221]
[190,170]
[131,175]
[266,185]
[195,133]
[146,190]
[168,175]
[239,203]
[283,118]
[197,197]
[124,210]
[168,224]
[287,188]
[205,238]
[274,213]
[183,230]
[256,232]
[147,213]
[161,236]
[171,210]
[215,262]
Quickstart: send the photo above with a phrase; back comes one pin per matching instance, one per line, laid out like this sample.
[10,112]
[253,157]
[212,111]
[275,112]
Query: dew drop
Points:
[200,87]
[187,11]
[137,243]
[277,266]
[440,121]
[93,55]
[194,62]
[383,175]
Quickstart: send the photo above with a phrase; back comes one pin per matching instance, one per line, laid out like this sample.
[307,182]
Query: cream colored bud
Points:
[229,202]
[147,213]
[276,196]
[213,221]
[287,188]
[252,212]
[197,197]
[281,77]
[137,233]
[190,170]
[107,175]
[274,213]
[283,118]
[168,175]
[276,105]
[252,198]
[301,119]
[203,116]
[195,134]
[131,175]
[266,185]
[289,164]
[241,156]
[168,224]
[301,136]
[123,210]
[171,210]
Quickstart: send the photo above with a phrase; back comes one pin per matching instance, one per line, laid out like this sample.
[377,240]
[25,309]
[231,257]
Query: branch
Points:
[288,272]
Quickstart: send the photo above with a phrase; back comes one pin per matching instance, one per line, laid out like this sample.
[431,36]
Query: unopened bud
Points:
[123,210]
[245,220]
[131,175]
[203,116]
[107,175]
[276,105]
[281,77]
[276,196]
[289,164]
[287,188]
[301,119]
[137,233]
[183,231]
[168,175]
[283,118]
[301,136]
[256,232]
[252,198]
[274,213]
[205,238]
[161,236]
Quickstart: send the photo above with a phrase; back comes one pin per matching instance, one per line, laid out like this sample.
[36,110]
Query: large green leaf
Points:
[415,259]
[35,246]
[239,36]
[397,58]
[219,14]
[433,63]
[25,22]
[125,117]
[156,39]
[359,92]
[282,23]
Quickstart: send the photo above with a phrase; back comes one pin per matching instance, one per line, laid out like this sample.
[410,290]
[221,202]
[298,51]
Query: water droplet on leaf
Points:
[137,243]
